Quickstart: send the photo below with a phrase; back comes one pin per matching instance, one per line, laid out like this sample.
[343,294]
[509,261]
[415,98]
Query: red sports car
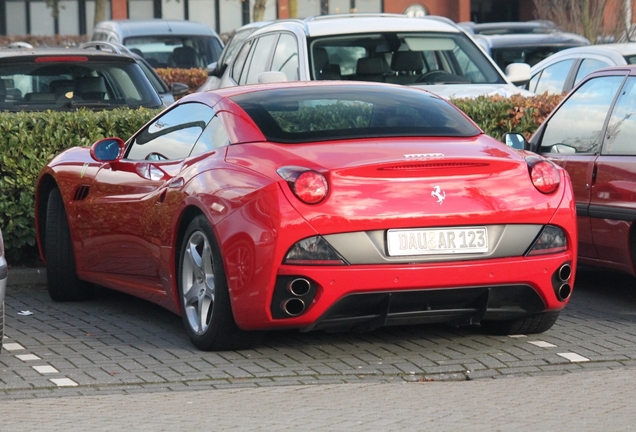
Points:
[316,205]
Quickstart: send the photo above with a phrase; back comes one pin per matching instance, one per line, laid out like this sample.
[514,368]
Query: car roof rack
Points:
[110,47]
[20,45]
[355,15]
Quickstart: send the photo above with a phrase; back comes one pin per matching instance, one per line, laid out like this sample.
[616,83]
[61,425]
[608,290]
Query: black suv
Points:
[38,79]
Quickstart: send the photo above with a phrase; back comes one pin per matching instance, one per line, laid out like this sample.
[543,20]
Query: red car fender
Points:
[253,243]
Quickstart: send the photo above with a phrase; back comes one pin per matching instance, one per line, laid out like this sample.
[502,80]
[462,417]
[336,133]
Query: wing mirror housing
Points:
[179,89]
[108,150]
[271,77]
[216,69]
[516,141]
[518,73]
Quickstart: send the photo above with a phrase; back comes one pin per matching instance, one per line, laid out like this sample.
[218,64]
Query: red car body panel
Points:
[126,234]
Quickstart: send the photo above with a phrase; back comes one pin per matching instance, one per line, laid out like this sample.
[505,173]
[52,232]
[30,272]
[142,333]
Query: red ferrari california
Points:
[310,206]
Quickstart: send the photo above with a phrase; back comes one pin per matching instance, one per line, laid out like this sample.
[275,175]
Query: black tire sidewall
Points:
[222,323]
[62,280]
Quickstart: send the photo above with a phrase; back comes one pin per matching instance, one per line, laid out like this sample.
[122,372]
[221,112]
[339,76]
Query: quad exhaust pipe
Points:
[300,288]
[293,306]
[563,289]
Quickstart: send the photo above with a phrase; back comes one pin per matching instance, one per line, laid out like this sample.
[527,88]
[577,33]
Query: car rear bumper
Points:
[366,297]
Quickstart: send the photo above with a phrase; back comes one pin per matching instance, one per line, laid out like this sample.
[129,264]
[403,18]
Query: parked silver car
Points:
[561,72]
[432,52]
[216,69]
[164,43]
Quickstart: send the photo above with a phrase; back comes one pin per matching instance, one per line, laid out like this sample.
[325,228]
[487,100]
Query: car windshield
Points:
[525,54]
[176,51]
[304,114]
[402,58]
[36,86]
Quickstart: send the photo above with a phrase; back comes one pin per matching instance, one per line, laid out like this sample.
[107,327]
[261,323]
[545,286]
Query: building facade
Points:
[76,17]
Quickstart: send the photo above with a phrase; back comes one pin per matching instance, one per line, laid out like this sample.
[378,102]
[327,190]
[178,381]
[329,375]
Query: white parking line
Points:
[28,357]
[45,369]
[12,346]
[517,336]
[573,357]
[64,382]
[542,344]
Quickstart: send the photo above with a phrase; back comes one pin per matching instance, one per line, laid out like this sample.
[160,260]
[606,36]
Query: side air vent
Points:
[81,193]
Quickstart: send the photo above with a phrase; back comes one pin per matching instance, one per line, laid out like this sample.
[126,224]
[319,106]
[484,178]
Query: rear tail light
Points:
[308,185]
[552,239]
[544,174]
[313,251]
[56,59]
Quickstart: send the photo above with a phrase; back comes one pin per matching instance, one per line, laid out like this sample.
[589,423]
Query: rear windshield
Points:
[176,51]
[525,54]
[303,114]
[36,86]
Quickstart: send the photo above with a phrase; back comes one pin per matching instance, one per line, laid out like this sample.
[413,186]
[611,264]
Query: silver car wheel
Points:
[197,282]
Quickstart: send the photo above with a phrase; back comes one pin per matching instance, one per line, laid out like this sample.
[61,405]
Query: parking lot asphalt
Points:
[120,362]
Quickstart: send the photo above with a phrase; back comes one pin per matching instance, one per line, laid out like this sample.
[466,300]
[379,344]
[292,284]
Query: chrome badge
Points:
[424,156]
[438,194]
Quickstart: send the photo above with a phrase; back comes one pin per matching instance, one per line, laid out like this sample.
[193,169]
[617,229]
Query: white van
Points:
[164,43]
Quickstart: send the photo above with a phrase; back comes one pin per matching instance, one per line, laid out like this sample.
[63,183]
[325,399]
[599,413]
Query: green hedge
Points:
[29,140]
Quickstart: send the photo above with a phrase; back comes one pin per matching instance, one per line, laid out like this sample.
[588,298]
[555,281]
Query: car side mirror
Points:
[216,69]
[516,141]
[179,89]
[108,150]
[271,77]
[518,73]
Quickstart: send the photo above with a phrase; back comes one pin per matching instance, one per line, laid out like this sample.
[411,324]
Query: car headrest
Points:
[407,61]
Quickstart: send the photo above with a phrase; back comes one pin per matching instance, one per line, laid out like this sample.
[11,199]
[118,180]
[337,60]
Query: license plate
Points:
[432,241]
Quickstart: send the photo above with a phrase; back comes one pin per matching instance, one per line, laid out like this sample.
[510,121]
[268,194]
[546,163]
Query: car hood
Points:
[448,91]
[374,184]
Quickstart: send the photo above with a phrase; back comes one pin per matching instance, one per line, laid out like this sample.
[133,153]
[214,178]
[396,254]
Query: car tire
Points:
[537,323]
[203,293]
[61,277]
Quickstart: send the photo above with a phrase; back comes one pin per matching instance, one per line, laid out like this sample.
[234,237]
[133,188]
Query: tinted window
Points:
[532,84]
[68,85]
[587,67]
[172,135]
[621,129]
[286,57]
[214,136]
[259,61]
[237,66]
[553,78]
[185,51]
[234,43]
[579,121]
[299,114]
[524,54]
